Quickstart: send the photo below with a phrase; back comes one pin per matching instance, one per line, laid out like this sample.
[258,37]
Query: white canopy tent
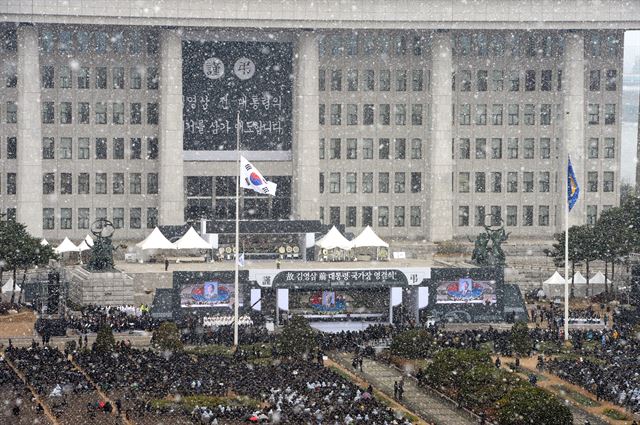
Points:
[554,286]
[598,278]
[66,246]
[191,240]
[44,242]
[155,240]
[334,239]
[86,243]
[7,290]
[555,279]
[578,279]
[368,238]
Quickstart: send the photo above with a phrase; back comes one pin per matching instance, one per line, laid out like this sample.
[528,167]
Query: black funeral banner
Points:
[222,78]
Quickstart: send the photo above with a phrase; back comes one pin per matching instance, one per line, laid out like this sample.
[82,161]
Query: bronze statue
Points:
[102,250]
[482,255]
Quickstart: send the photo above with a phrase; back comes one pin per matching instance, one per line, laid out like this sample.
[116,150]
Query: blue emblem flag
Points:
[573,190]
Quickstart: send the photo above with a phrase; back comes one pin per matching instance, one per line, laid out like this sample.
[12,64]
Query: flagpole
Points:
[566,256]
[235,277]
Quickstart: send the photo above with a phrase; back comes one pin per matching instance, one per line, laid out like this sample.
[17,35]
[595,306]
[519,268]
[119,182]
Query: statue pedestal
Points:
[100,288]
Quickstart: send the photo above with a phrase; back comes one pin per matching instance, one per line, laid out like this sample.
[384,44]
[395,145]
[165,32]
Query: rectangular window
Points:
[416,148]
[152,183]
[118,218]
[464,146]
[609,147]
[48,148]
[465,114]
[367,216]
[527,215]
[321,114]
[321,182]
[544,181]
[592,181]
[84,74]
[66,218]
[48,183]
[482,80]
[496,215]
[83,218]
[101,213]
[514,114]
[66,113]
[336,80]
[152,218]
[335,148]
[530,80]
[383,182]
[512,215]
[66,184]
[12,147]
[416,114]
[101,77]
[136,148]
[118,113]
[66,148]
[463,182]
[592,214]
[336,114]
[465,80]
[385,114]
[514,81]
[101,148]
[401,80]
[84,111]
[399,182]
[401,114]
[543,215]
[463,216]
[496,182]
[383,216]
[497,79]
[351,216]
[528,148]
[101,113]
[101,183]
[322,76]
[369,80]
[352,148]
[367,182]
[398,216]
[83,148]
[480,217]
[48,113]
[545,148]
[417,80]
[480,182]
[593,113]
[607,181]
[118,148]
[153,78]
[321,149]
[334,182]
[594,80]
[152,148]
[527,181]
[136,113]
[368,112]
[546,80]
[496,114]
[512,182]
[416,182]
[496,148]
[401,149]
[65,77]
[593,148]
[11,183]
[512,147]
[385,80]
[481,114]
[529,114]
[415,216]
[47,78]
[118,77]
[612,80]
[383,149]
[135,78]
[352,183]
[367,148]
[352,114]
[118,183]
[481,148]
[83,184]
[545,114]
[135,218]
[152,113]
[48,219]
[610,113]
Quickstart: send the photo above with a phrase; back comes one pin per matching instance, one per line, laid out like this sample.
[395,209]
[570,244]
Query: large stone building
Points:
[422,119]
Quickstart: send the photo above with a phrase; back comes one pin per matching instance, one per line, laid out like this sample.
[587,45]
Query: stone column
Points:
[307,129]
[29,173]
[441,196]
[573,126]
[171,174]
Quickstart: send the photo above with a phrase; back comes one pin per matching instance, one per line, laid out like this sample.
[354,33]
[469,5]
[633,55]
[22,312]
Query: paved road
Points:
[431,408]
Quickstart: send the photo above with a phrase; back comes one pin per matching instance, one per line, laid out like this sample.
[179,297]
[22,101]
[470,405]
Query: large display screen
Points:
[466,291]
[223,78]
[341,302]
[207,294]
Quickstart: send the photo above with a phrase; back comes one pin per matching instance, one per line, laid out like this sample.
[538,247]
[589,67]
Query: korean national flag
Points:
[251,178]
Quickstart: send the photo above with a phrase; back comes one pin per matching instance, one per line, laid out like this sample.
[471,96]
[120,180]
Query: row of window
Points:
[512,43]
[464,79]
[368,114]
[494,217]
[526,148]
[82,41]
[480,116]
[367,78]
[101,149]
[370,44]
[383,149]
[495,181]
[100,184]
[84,113]
[100,75]
[351,182]
[366,216]
[593,113]
[65,218]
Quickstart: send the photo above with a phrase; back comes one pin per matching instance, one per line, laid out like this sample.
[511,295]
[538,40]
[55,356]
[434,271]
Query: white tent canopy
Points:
[7,288]
[155,240]
[66,246]
[44,242]
[191,240]
[334,239]
[578,278]
[555,279]
[598,278]
[368,238]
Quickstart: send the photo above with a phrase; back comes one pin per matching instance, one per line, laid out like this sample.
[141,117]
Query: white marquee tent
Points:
[598,278]
[155,240]
[556,279]
[578,279]
[368,238]
[191,240]
[86,244]
[7,288]
[334,239]
[554,286]
[66,246]
[44,242]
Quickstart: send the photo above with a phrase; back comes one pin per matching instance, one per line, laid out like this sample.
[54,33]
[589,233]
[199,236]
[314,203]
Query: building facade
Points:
[424,125]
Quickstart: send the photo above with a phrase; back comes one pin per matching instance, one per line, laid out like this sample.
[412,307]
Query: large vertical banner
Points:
[222,78]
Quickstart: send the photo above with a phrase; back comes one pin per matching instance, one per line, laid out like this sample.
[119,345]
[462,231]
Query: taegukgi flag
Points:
[573,189]
[251,178]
